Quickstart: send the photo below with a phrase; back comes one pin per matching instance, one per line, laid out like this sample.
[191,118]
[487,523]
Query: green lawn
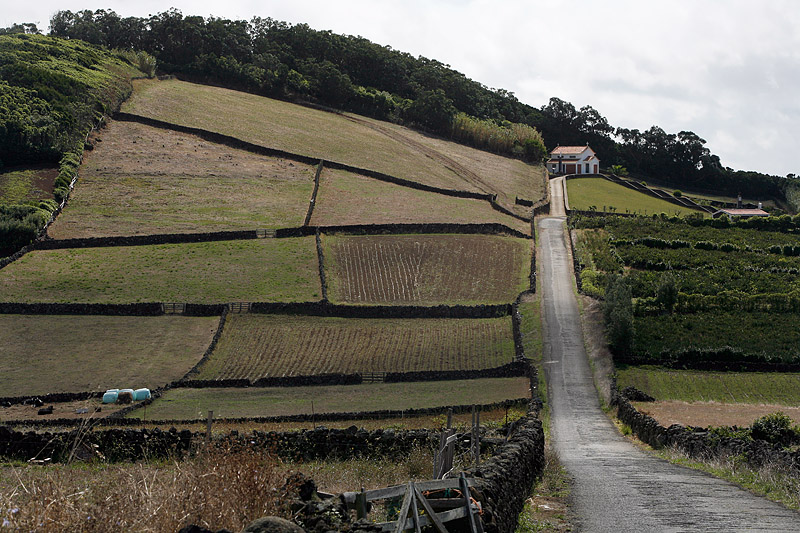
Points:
[42,354]
[279,401]
[723,387]
[598,192]
[207,272]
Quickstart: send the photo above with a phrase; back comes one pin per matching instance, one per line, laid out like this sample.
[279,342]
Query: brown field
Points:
[20,185]
[192,404]
[252,270]
[254,346]
[426,269]
[42,354]
[346,198]
[141,180]
[66,410]
[506,176]
[707,414]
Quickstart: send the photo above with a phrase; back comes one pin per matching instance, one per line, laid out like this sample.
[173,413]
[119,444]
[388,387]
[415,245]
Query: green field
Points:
[254,346]
[602,194]
[44,354]
[427,269]
[279,401]
[20,186]
[722,387]
[346,198]
[141,180]
[207,272]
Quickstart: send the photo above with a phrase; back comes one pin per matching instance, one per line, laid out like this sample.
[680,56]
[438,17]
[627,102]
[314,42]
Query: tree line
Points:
[289,61]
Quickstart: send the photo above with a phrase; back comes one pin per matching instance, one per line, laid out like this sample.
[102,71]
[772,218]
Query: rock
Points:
[635,395]
[273,524]
[46,410]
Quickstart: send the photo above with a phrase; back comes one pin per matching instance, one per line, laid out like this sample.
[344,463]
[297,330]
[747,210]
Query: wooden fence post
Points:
[208,426]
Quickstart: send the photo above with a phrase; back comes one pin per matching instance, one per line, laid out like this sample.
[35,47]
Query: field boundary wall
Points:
[381,311]
[212,345]
[504,482]
[137,309]
[280,233]
[117,418]
[314,192]
[323,280]
[699,443]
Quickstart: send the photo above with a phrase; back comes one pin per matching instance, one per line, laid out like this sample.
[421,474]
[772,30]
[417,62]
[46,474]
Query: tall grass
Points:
[217,488]
[509,138]
[141,60]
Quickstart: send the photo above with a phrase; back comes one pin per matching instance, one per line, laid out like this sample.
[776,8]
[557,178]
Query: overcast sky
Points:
[726,69]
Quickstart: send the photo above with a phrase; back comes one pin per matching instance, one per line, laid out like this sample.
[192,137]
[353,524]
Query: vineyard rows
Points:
[254,346]
[428,269]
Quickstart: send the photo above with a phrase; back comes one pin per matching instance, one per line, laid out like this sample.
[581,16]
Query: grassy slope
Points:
[211,272]
[346,198]
[724,387]
[141,180]
[44,354]
[255,346]
[254,401]
[599,192]
[427,269]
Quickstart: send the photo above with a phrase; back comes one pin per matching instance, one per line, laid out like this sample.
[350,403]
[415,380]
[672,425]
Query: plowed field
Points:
[427,269]
[254,346]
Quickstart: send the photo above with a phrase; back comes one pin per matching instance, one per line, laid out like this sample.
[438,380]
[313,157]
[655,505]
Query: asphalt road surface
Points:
[618,487]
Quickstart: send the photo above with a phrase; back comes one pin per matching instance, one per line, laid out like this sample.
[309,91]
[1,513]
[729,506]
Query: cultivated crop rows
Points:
[254,346]
[428,268]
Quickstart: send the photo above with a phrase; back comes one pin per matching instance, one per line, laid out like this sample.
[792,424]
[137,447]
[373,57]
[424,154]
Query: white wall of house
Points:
[574,163]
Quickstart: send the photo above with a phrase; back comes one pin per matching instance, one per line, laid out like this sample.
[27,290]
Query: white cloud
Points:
[725,69]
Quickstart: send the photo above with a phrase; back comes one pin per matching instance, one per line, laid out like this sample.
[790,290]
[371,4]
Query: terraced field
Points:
[602,194]
[346,198]
[141,180]
[254,346]
[206,272]
[427,269]
[191,404]
[42,354]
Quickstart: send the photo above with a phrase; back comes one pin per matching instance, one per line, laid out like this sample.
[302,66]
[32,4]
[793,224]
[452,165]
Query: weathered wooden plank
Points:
[398,490]
[431,513]
[424,521]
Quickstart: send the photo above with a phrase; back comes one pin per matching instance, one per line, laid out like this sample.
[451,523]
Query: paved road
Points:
[618,487]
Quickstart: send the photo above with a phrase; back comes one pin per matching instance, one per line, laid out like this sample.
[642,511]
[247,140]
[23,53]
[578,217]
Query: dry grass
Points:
[427,269]
[193,404]
[287,126]
[204,272]
[254,346]
[141,180]
[91,353]
[346,198]
[216,489]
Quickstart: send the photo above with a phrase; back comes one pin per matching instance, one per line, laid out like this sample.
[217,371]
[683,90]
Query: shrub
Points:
[775,428]
[667,293]
[677,194]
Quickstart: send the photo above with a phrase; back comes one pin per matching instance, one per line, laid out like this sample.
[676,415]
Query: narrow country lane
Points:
[618,487]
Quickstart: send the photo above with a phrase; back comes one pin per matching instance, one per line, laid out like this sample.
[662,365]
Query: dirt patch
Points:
[21,184]
[69,410]
[705,414]
[594,338]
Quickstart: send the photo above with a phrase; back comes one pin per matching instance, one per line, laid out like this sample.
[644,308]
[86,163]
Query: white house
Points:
[573,160]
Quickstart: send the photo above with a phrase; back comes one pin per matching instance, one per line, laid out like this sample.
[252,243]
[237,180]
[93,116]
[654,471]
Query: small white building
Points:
[573,160]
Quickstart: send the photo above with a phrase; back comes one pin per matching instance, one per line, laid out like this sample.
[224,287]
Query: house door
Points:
[570,169]
[587,168]
[595,168]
